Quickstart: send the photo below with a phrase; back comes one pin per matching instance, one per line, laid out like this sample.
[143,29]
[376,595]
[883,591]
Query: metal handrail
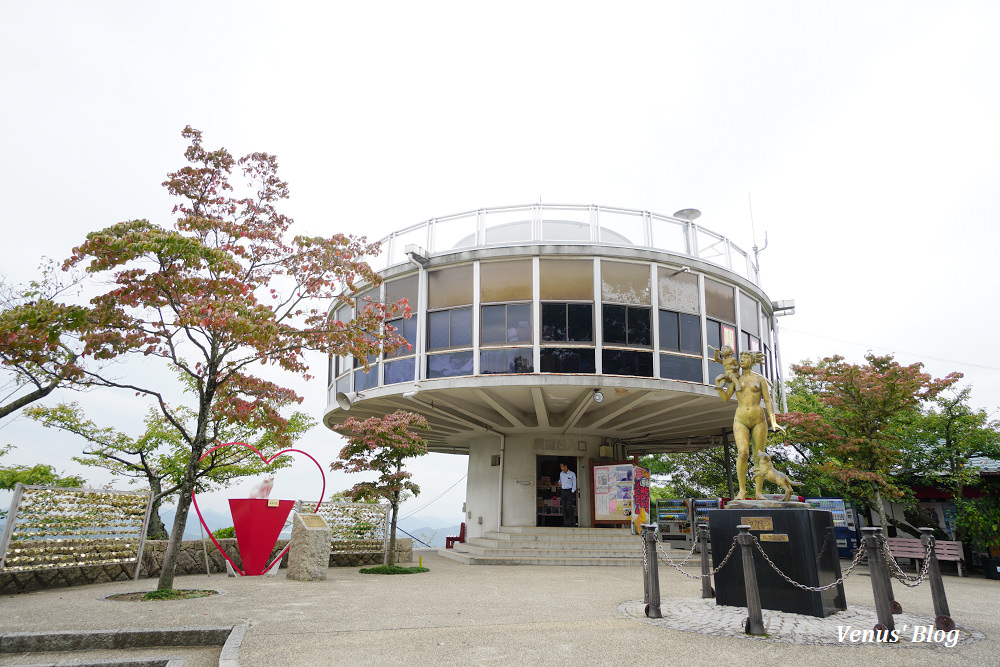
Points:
[565,224]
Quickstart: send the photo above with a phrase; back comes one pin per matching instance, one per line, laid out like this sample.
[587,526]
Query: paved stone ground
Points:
[706,617]
[501,615]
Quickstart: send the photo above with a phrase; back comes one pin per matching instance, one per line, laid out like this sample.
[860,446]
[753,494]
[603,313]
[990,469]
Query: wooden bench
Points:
[449,542]
[906,547]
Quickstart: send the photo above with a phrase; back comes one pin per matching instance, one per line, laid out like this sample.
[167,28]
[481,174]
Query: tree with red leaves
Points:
[380,444]
[222,292]
[849,422]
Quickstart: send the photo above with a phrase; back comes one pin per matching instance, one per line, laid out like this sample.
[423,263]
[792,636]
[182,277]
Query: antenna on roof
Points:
[753,232]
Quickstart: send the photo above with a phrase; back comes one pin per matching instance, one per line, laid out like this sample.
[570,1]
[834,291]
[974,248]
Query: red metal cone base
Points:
[257,529]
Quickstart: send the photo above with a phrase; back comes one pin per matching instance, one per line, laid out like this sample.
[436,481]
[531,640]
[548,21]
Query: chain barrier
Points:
[666,559]
[815,589]
[897,572]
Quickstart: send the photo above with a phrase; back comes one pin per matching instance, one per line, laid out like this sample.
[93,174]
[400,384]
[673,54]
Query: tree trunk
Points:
[391,560]
[880,507]
[180,520]
[156,530]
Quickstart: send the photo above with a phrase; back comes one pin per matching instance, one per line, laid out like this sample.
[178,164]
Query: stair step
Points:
[536,545]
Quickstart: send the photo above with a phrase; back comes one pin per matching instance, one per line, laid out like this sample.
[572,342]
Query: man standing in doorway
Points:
[567,482]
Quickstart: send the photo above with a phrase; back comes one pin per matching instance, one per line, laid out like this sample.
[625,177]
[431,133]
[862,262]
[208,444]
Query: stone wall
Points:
[191,560]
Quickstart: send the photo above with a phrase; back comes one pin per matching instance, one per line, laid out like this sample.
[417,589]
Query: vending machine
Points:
[673,522]
[844,527]
[699,513]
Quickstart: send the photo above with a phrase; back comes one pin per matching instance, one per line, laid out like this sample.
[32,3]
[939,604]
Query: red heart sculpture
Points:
[259,544]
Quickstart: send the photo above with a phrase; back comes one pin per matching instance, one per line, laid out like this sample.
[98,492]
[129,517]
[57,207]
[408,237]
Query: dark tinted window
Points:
[680,368]
[615,325]
[627,362]
[669,332]
[626,325]
[580,322]
[690,333]
[567,360]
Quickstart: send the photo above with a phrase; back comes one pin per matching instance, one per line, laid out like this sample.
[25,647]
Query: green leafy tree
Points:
[40,474]
[220,294]
[947,436]
[381,444]
[159,456]
[849,432]
[40,339]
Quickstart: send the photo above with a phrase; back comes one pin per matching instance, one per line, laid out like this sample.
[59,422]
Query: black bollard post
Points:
[653,577]
[755,620]
[942,616]
[706,581]
[645,566]
[880,583]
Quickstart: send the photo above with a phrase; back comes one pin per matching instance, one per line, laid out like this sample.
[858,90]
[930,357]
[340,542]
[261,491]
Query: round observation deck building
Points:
[543,334]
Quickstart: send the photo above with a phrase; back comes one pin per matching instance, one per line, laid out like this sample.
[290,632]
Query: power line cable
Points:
[435,499]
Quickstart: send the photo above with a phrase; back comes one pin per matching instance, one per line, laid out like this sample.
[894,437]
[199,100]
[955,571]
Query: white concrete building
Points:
[544,333]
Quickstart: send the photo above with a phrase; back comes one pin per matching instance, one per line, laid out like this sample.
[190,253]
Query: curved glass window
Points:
[720,303]
[749,320]
[505,281]
[449,364]
[449,328]
[677,290]
[506,324]
[566,279]
[625,283]
[449,287]
[719,334]
[506,360]
[627,362]
[568,322]
[402,370]
[680,332]
[676,367]
[567,360]
[626,325]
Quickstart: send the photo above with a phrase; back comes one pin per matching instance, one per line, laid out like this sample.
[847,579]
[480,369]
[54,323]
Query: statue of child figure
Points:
[724,356]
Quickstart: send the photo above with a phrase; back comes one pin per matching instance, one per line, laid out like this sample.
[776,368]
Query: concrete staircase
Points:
[550,546]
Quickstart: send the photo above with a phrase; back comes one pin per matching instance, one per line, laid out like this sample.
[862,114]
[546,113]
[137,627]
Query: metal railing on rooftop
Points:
[566,224]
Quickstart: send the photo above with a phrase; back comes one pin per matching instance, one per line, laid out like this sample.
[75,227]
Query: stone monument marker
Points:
[309,550]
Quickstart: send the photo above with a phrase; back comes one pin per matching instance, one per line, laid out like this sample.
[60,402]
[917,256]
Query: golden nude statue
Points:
[751,421]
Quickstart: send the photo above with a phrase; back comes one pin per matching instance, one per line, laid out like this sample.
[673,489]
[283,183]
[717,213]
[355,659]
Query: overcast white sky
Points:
[866,133]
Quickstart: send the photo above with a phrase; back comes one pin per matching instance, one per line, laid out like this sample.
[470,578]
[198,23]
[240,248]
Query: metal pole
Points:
[942,616]
[880,580]
[645,568]
[706,581]
[653,608]
[755,620]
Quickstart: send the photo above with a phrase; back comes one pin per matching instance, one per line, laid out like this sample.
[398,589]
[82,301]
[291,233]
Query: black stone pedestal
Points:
[800,541]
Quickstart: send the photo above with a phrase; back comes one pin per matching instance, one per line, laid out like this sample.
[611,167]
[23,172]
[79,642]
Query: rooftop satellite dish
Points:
[688,214]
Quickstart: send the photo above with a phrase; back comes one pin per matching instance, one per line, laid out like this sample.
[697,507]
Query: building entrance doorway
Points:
[549,507]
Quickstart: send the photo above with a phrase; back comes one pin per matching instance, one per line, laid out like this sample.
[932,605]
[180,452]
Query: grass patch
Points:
[392,569]
[161,594]
[175,594]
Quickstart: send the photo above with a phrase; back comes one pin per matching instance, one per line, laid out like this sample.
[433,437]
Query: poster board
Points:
[640,496]
[614,492]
